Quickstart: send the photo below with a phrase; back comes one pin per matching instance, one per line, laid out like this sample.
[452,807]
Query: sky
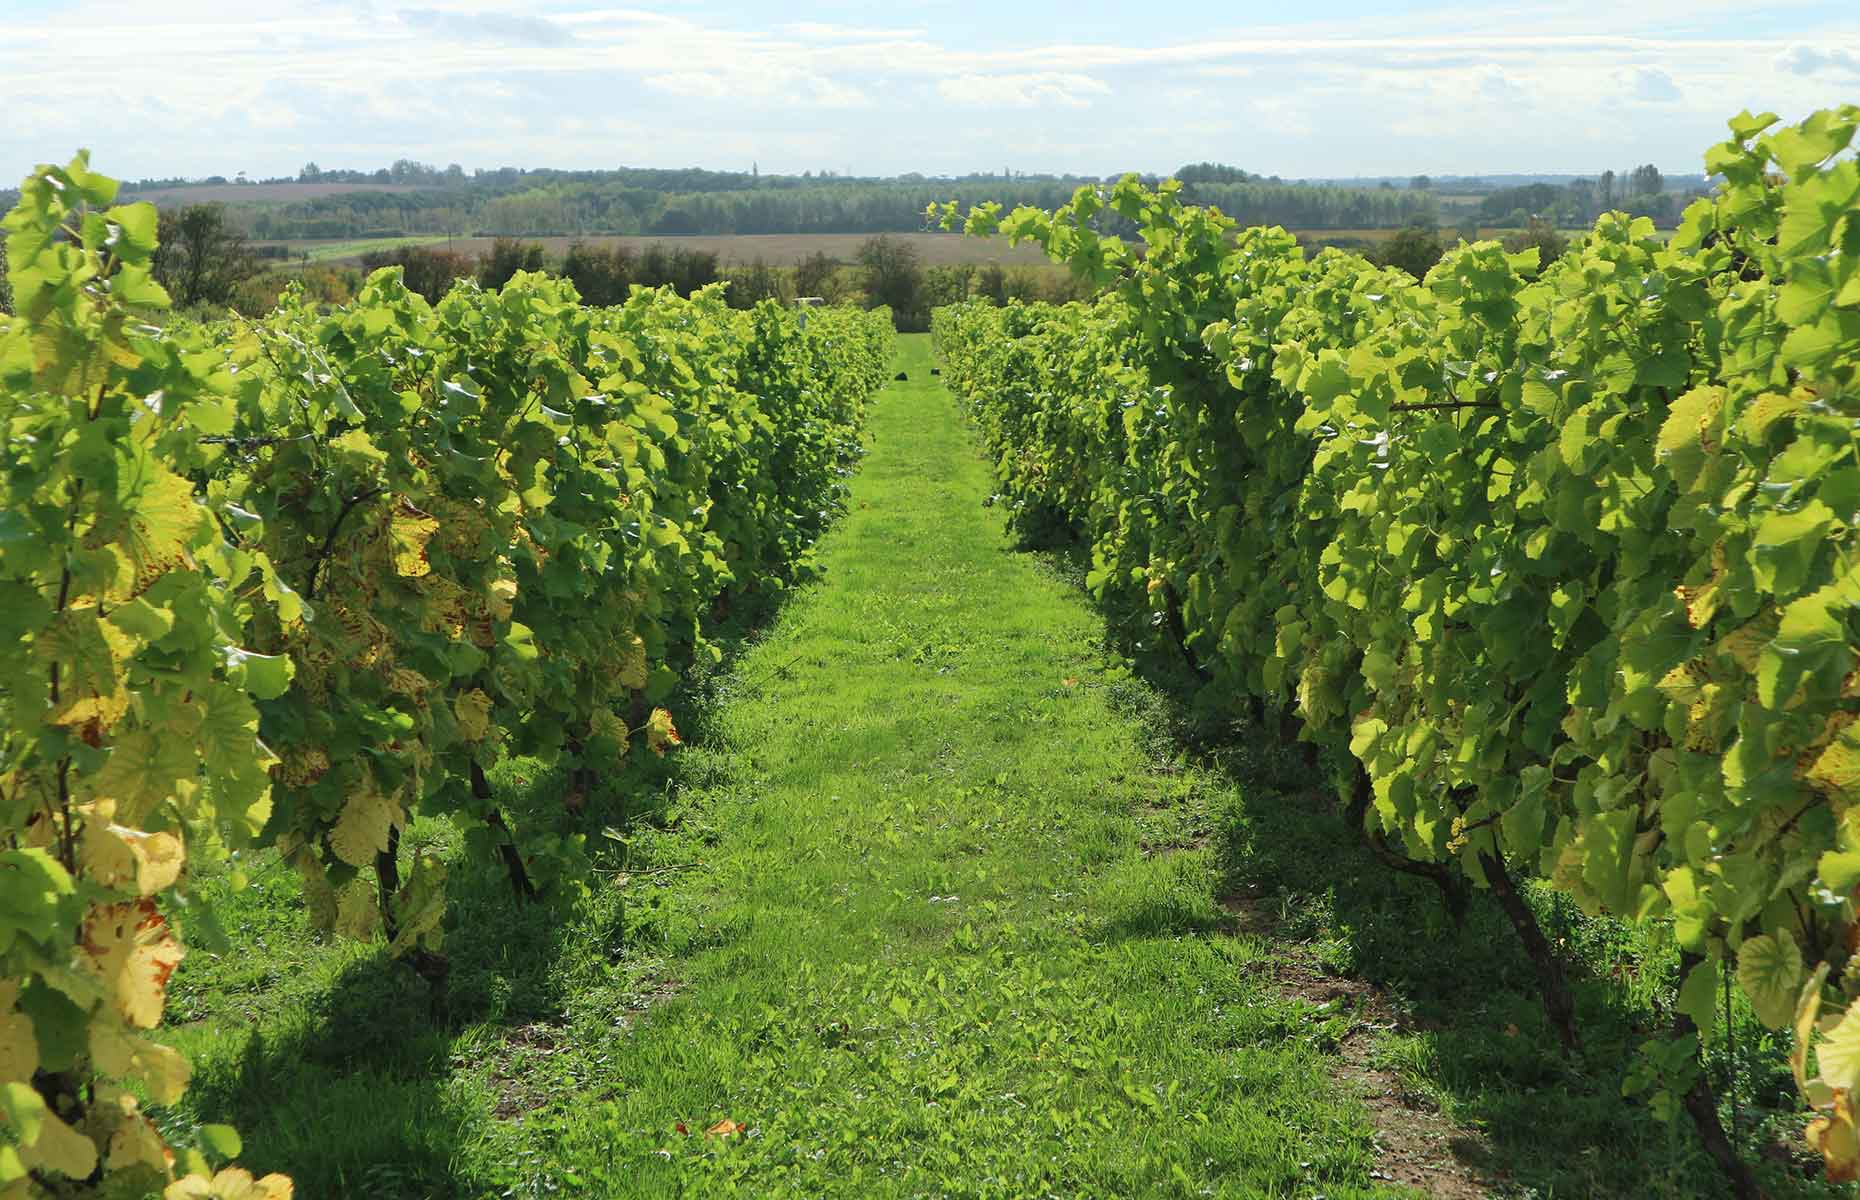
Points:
[195,88]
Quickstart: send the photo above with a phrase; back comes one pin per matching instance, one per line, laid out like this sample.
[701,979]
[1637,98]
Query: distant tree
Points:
[1415,250]
[506,257]
[950,284]
[1605,193]
[310,174]
[1063,287]
[992,284]
[1646,181]
[1421,183]
[429,272]
[1051,285]
[1210,172]
[654,268]
[202,259]
[893,275]
[751,283]
[602,276]
[683,270]
[819,275]
[1506,204]
[1542,235]
[677,221]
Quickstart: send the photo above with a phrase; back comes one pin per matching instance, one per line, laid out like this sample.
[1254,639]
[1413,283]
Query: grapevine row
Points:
[292,581]
[1561,556]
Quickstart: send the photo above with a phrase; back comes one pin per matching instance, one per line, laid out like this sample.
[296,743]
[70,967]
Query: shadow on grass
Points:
[376,1084]
[1473,1037]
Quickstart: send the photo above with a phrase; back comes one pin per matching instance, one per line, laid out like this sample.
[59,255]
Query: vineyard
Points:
[1549,564]
[292,582]
[345,650]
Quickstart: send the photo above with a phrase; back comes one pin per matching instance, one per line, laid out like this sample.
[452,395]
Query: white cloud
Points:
[503,28]
[760,87]
[1022,91]
[1496,84]
[691,84]
[1812,60]
[196,84]
[818,31]
[1650,84]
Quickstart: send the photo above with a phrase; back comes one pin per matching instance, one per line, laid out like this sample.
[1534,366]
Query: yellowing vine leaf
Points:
[502,599]
[19,1048]
[133,1140]
[116,856]
[411,530]
[89,654]
[164,521]
[420,907]
[604,724]
[357,914]
[660,733]
[1836,770]
[319,895]
[233,1183]
[60,1148]
[124,1055]
[1834,1137]
[631,669]
[361,831]
[131,949]
[473,710]
[1839,1052]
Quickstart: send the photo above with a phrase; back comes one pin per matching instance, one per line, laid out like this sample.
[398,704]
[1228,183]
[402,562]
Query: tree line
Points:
[1641,192]
[207,264]
[683,203]
[885,271]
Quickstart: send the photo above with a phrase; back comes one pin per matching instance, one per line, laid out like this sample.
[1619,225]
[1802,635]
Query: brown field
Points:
[251,193]
[777,249]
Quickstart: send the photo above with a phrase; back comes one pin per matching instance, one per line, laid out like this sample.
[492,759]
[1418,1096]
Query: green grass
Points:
[928,907]
[321,252]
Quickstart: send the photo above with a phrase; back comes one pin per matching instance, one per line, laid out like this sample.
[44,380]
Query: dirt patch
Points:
[1169,829]
[657,994]
[1416,1145]
[1198,839]
[513,1077]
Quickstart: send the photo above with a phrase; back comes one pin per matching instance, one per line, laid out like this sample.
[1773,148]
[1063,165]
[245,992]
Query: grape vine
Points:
[1558,555]
[290,581]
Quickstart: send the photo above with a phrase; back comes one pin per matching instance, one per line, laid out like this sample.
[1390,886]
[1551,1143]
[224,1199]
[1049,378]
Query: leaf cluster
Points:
[294,581]
[1561,553]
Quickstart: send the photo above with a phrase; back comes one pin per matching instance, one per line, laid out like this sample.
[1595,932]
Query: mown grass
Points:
[927,907]
[354,248]
[904,931]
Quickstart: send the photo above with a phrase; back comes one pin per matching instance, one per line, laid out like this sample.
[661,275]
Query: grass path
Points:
[949,940]
[926,908]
